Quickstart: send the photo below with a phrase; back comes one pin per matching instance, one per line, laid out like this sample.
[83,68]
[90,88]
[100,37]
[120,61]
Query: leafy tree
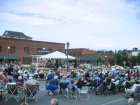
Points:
[133,60]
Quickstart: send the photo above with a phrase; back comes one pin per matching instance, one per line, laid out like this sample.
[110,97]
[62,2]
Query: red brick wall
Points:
[88,53]
[33,45]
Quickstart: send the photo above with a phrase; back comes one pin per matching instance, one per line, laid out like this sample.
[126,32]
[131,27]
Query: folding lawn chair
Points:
[31,92]
[12,91]
[84,91]
[71,94]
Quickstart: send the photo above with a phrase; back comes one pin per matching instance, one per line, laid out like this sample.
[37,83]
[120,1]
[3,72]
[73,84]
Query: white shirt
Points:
[134,87]
[10,83]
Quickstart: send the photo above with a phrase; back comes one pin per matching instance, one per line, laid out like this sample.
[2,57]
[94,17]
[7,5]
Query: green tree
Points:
[133,60]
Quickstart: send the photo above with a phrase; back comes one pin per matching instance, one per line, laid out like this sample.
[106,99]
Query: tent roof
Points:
[56,55]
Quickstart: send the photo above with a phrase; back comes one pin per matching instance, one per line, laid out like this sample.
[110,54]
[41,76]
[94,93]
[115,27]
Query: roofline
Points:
[76,48]
[48,42]
[33,40]
[30,38]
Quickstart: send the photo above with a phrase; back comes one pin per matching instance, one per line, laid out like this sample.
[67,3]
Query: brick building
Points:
[84,55]
[79,52]
[18,46]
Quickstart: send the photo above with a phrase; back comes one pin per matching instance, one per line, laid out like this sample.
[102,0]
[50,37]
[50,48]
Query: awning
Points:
[13,57]
[92,59]
[9,57]
[1,57]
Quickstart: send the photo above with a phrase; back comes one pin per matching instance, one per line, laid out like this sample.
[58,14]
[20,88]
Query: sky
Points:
[92,24]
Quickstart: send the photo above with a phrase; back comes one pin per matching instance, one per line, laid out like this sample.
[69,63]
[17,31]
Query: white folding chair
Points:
[70,94]
[83,93]
[12,91]
[31,92]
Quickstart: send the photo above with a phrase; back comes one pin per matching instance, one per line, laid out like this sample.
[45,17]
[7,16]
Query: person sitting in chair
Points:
[50,76]
[112,87]
[31,81]
[104,86]
[72,88]
[53,85]
[130,92]
[64,80]
[63,83]
[80,83]
[30,86]
[20,81]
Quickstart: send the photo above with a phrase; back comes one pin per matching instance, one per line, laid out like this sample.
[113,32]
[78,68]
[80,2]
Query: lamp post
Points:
[5,47]
[8,52]
[106,59]
[43,48]
[67,44]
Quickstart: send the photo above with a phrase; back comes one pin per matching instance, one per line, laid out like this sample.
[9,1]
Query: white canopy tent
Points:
[56,55]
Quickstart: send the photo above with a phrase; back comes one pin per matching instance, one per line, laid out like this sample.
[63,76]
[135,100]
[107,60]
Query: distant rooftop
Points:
[17,35]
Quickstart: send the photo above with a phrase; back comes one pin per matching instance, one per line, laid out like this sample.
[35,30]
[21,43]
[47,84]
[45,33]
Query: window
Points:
[12,49]
[74,53]
[0,49]
[26,50]
[39,49]
[79,53]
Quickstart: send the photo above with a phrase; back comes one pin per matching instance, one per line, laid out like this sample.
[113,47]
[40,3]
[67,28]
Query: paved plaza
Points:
[44,99]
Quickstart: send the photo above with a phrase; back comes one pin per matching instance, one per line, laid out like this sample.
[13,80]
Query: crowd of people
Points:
[101,79]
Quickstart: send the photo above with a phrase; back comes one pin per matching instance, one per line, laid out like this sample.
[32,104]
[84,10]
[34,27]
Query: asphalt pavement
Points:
[44,99]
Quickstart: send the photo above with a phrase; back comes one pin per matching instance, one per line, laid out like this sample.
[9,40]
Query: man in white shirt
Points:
[130,92]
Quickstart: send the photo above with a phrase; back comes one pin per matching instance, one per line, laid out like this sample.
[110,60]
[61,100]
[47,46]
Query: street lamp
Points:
[43,48]
[8,52]
[67,53]
[5,47]
[43,52]
[105,59]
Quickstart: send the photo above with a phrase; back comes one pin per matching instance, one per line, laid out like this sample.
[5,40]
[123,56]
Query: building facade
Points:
[86,55]
[79,52]
[18,46]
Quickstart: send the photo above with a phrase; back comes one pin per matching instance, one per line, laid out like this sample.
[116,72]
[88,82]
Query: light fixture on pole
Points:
[43,52]
[5,47]
[8,52]
[105,59]
[67,52]
[43,48]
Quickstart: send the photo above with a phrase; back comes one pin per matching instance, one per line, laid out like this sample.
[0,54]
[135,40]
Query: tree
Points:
[133,60]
